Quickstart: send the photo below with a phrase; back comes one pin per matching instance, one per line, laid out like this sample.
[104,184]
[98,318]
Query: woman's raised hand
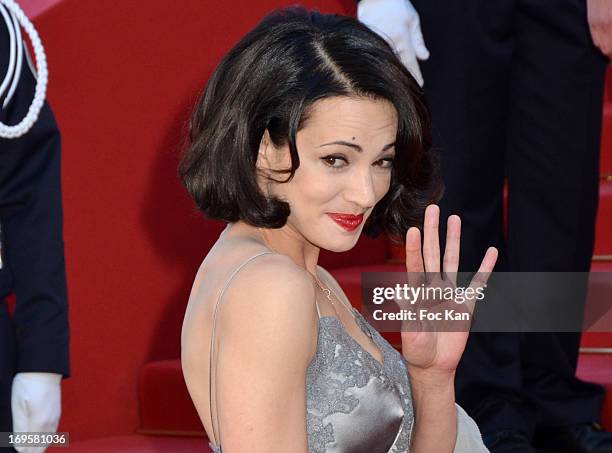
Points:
[430,347]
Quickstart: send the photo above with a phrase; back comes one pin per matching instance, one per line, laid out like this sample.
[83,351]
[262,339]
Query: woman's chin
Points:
[341,244]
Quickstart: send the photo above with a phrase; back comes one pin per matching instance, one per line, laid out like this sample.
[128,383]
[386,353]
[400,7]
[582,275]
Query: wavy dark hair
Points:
[270,80]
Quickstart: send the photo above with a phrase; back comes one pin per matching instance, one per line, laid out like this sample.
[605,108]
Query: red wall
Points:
[123,77]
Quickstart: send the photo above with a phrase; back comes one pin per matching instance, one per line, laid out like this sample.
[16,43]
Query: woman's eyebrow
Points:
[354,146]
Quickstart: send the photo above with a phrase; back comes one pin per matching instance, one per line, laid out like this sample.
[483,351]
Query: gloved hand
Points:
[36,404]
[398,22]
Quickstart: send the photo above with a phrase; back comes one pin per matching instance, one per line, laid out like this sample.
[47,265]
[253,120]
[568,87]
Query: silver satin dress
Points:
[354,403]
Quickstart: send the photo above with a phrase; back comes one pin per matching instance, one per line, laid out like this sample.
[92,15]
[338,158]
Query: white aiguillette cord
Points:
[13,16]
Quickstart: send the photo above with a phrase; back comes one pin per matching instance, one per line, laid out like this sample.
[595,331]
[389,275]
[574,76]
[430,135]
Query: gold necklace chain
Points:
[327,292]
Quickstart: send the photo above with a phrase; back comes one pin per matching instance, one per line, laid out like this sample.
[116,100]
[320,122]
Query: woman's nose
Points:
[361,190]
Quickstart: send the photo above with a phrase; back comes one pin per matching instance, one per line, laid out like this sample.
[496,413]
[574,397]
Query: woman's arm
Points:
[268,329]
[435,417]
[440,424]
[431,349]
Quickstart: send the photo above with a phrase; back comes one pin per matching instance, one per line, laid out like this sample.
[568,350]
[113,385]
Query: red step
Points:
[598,368]
[603,225]
[162,386]
[599,339]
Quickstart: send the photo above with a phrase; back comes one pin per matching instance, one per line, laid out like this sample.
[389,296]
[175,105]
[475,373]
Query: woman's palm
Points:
[438,345]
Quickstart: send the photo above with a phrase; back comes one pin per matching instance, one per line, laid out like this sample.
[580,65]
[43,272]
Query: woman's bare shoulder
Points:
[245,286]
[274,282]
[250,259]
[245,274]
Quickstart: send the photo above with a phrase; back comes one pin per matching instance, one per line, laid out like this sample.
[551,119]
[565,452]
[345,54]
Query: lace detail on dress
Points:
[340,372]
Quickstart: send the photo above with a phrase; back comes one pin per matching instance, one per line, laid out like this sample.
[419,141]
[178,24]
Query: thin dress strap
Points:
[212,337]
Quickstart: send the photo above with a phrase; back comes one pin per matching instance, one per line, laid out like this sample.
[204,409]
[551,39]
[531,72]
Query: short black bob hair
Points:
[269,80]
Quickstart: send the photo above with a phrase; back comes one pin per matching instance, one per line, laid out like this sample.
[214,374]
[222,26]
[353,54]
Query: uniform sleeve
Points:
[31,230]
[469,439]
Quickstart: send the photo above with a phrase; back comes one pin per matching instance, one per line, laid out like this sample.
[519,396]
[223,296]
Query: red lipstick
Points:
[347,221]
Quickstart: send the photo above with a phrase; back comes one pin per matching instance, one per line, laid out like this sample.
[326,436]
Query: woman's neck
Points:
[284,240]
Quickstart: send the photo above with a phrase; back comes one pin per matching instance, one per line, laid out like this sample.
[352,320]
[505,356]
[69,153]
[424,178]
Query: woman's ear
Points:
[264,154]
[270,160]
[264,164]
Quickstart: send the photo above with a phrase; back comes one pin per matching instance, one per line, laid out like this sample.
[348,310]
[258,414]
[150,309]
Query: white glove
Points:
[36,405]
[398,22]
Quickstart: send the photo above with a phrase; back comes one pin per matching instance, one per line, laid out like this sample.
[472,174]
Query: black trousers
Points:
[515,88]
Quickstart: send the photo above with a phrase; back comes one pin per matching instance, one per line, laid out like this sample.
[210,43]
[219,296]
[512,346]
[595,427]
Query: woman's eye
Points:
[332,160]
[386,163]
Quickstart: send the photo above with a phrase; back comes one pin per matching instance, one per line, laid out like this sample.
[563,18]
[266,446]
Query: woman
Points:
[274,357]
